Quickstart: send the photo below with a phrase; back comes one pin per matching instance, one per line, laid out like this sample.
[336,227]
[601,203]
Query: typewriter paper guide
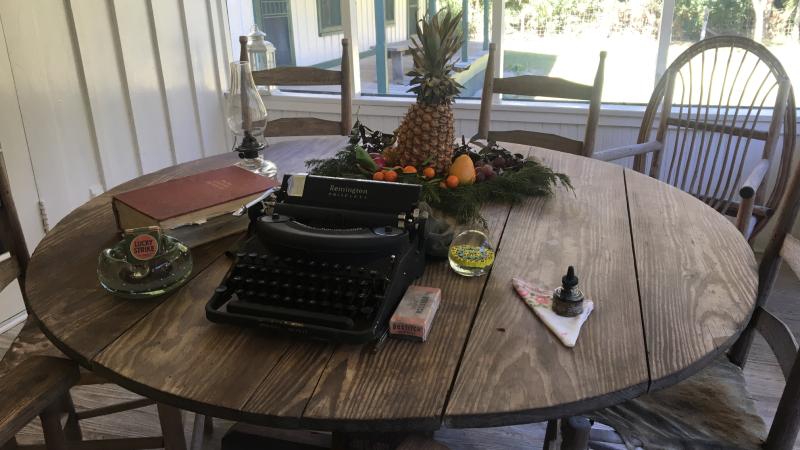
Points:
[364,195]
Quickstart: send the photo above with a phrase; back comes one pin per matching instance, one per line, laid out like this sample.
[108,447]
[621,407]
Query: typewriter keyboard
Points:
[293,290]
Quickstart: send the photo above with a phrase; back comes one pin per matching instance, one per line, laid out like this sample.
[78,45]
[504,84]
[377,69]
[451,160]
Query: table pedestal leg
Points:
[171,427]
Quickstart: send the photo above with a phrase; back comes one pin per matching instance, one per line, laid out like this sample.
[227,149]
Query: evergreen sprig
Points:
[533,179]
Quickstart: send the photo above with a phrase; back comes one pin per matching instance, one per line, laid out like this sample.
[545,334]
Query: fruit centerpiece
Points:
[456,179]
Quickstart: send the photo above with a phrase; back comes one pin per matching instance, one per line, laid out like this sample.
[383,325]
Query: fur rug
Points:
[710,410]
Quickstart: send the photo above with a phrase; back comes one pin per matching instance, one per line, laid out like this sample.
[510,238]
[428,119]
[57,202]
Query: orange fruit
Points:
[428,172]
[378,176]
[452,181]
[409,169]
[390,175]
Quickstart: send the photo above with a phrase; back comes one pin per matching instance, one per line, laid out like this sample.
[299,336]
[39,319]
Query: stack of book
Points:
[195,209]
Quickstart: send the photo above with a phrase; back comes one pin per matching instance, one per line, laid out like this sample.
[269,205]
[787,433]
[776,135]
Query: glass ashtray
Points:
[144,279]
[471,254]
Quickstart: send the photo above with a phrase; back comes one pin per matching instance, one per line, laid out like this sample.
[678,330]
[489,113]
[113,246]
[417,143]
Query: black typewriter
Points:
[327,258]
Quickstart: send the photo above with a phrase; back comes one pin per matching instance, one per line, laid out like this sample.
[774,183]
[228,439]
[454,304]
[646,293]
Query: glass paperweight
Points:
[259,166]
[471,254]
[144,265]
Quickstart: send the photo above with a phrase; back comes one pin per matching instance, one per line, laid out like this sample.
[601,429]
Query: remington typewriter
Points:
[328,258]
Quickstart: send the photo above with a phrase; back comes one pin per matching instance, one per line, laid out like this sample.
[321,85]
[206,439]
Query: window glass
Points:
[274,18]
[389,11]
[773,23]
[329,16]
[564,38]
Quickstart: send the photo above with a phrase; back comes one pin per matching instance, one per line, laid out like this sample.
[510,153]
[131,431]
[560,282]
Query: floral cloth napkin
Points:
[540,301]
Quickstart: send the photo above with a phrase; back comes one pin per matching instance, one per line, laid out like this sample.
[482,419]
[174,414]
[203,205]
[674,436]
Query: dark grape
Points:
[479,176]
[499,162]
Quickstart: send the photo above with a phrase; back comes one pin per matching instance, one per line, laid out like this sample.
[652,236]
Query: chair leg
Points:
[54,437]
[72,429]
[575,433]
[171,427]
[550,434]
[208,424]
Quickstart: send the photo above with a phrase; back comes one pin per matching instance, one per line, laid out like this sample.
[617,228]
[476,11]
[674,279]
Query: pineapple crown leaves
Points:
[439,37]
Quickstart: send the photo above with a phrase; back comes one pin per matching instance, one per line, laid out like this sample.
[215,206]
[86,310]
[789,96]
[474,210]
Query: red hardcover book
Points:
[196,208]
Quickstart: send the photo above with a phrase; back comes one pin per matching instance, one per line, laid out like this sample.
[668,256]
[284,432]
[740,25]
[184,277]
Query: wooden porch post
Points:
[350,28]
[486,8]
[664,37]
[465,29]
[431,7]
[498,27]
[380,46]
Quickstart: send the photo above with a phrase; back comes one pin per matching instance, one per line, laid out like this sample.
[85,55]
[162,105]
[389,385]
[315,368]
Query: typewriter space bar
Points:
[290,314]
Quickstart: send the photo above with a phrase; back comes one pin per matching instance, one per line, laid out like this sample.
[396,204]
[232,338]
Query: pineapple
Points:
[427,130]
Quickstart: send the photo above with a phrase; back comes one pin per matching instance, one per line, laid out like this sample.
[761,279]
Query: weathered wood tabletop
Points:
[672,280]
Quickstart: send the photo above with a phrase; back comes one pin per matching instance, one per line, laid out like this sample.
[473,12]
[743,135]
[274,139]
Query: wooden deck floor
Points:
[763,376]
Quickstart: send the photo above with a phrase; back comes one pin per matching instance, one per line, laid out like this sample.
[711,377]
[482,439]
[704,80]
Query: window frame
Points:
[331,29]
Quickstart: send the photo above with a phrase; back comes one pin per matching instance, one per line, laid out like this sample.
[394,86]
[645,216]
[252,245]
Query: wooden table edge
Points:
[419,424]
[167,398]
[60,345]
[699,364]
[526,416]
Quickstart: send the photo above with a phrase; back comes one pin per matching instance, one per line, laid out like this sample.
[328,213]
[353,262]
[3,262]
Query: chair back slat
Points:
[541,86]
[9,271]
[309,76]
[297,76]
[11,236]
[546,140]
[301,126]
[721,89]
[779,338]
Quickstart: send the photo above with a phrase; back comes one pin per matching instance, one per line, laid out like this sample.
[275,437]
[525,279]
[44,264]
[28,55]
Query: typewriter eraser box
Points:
[414,314]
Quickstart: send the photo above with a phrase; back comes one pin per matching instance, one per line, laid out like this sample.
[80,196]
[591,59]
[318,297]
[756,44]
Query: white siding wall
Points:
[309,47]
[109,90]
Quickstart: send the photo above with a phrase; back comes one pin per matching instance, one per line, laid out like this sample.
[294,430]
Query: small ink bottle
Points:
[568,299]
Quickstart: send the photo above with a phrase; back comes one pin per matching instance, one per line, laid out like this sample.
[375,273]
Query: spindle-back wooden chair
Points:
[716,95]
[712,409]
[308,76]
[35,378]
[541,86]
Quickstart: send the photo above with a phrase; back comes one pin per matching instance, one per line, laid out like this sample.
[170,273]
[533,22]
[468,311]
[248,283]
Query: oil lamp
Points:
[247,118]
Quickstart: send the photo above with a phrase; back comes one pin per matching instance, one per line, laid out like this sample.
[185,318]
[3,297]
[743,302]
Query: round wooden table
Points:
[673,283]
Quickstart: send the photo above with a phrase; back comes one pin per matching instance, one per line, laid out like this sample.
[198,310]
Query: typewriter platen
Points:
[330,258]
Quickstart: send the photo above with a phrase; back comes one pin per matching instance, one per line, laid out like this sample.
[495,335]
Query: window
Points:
[774,24]
[555,38]
[329,16]
[389,11]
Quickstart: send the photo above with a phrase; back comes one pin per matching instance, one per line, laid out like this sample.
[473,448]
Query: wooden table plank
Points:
[77,314]
[697,278]
[175,355]
[403,386]
[514,370]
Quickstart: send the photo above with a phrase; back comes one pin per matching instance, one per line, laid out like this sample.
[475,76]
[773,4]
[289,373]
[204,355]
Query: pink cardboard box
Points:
[414,314]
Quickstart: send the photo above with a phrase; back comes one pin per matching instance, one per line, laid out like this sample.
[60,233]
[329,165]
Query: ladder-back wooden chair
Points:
[308,76]
[35,377]
[713,409]
[541,86]
[711,142]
